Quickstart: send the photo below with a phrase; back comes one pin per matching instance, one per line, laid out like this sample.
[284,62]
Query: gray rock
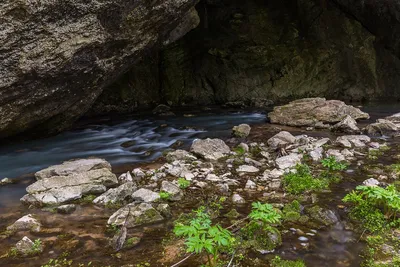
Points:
[244,146]
[26,223]
[281,138]
[288,161]
[165,210]
[180,155]
[213,178]
[175,192]
[310,111]
[322,216]
[210,149]
[145,195]
[133,215]
[161,109]
[66,209]
[61,189]
[26,246]
[125,177]
[353,140]
[241,131]
[316,154]
[116,195]
[253,162]
[395,118]
[138,174]
[247,169]
[55,65]
[383,128]
[223,188]
[272,174]
[335,153]
[73,167]
[237,199]
[250,185]
[347,125]
[371,182]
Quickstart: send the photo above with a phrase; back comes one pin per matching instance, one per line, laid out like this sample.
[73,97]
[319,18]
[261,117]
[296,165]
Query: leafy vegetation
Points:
[376,207]
[239,150]
[165,195]
[183,183]
[203,237]
[36,247]
[302,180]
[291,211]
[64,263]
[278,262]
[332,164]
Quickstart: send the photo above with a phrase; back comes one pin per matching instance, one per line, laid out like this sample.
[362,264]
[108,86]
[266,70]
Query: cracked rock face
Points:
[69,181]
[57,56]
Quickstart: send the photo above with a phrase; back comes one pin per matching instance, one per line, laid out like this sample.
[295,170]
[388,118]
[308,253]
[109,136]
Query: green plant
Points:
[376,207]
[36,247]
[302,180]
[87,199]
[278,262]
[64,263]
[12,253]
[291,211]
[264,213]
[183,183]
[332,164]
[165,195]
[239,150]
[112,229]
[203,237]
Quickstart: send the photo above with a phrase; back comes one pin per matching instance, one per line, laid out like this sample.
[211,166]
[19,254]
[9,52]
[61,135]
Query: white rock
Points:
[175,192]
[250,185]
[115,195]
[210,149]
[213,178]
[371,182]
[133,215]
[26,223]
[288,161]
[247,169]
[125,177]
[316,154]
[335,153]
[242,130]
[349,141]
[281,138]
[274,174]
[237,199]
[138,173]
[145,195]
[25,246]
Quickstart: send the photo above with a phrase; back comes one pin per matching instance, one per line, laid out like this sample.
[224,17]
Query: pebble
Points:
[303,238]
[310,234]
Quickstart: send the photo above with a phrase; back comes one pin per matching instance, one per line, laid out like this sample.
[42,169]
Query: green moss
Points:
[278,262]
[291,211]
[302,180]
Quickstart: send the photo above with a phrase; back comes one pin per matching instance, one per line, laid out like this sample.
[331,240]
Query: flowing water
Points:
[135,140]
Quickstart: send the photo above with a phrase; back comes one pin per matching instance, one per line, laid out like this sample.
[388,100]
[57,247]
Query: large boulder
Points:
[73,166]
[313,112]
[210,149]
[57,56]
[134,215]
[60,189]
[383,127]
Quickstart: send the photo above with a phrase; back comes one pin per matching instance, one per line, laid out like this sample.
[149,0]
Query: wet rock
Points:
[241,131]
[161,110]
[317,154]
[73,167]
[145,195]
[347,125]
[395,118]
[383,127]
[26,223]
[66,209]
[237,199]
[125,177]
[353,140]
[336,154]
[5,181]
[280,139]
[310,111]
[133,215]
[322,216]
[175,192]
[116,195]
[371,182]
[288,161]
[180,155]
[165,210]
[61,189]
[26,247]
[210,149]
[138,174]
[250,185]
[247,169]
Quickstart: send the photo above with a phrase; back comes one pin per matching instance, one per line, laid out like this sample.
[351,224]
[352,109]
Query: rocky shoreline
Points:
[239,171]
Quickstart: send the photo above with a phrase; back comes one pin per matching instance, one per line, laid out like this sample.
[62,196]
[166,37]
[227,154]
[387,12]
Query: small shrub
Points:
[332,164]
[302,180]
[183,183]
